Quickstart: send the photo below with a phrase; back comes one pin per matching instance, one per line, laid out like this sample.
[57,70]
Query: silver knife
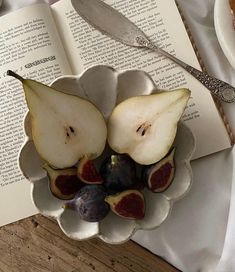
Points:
[115,25]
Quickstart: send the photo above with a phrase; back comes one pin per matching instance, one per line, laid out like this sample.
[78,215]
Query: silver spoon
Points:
[114,24]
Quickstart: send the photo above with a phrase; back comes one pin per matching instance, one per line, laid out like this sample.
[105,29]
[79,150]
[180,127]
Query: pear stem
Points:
[13,74]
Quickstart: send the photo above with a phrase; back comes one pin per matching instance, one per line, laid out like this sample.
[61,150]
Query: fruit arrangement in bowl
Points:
[105,151]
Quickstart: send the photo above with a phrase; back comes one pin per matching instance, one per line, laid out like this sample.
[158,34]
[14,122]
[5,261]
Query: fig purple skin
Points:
[118,173]
[89,203]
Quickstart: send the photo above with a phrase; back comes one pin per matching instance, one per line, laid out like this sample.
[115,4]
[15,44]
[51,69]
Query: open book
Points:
[43,42]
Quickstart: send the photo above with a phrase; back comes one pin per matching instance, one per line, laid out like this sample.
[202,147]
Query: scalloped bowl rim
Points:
[136,227]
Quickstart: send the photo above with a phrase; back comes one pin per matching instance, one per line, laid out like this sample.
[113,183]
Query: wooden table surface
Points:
[37,244]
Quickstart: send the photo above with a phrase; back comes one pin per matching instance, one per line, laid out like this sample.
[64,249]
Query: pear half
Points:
[64,127]
[145,126]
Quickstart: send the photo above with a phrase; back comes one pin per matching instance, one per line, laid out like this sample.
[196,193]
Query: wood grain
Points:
[37,244]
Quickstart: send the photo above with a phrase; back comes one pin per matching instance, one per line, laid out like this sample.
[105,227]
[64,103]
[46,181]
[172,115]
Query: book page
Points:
[30,46]
[161,21]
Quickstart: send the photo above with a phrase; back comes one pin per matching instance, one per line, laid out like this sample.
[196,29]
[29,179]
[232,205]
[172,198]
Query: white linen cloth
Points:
[199,234]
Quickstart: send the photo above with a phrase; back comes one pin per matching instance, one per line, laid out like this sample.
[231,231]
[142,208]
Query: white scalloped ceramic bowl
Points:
[106,87]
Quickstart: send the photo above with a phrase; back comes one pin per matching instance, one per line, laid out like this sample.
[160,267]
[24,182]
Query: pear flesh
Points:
[64,127]
[145,126]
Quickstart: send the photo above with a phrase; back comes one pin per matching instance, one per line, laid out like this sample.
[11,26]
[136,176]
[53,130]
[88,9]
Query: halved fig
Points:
[128,204]
[87,172]
[63,183]
[159,176]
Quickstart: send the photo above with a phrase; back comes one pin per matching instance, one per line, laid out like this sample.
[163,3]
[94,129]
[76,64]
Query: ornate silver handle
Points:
[221,89]
[217,87]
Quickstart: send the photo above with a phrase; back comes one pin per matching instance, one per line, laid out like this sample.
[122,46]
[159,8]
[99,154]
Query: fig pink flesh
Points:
[131,206]
[68,184]
[89,173]
[161,177]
